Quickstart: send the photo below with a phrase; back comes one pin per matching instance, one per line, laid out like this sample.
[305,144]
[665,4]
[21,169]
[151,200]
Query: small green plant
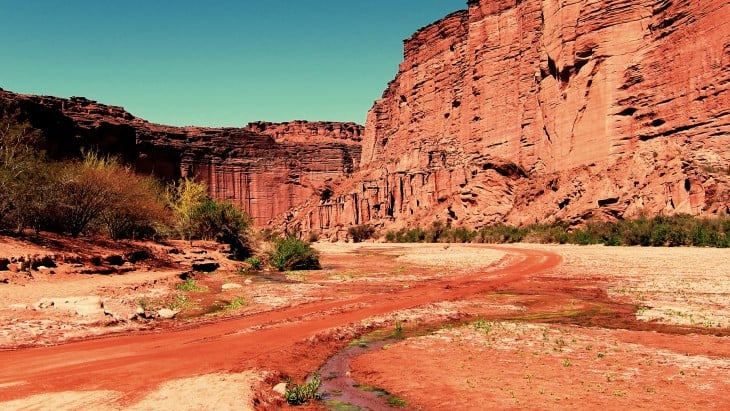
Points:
[292,253]
[298,394]
[567,363]
[237,302]
[483,325]
[255,263]
[178,302]
[189,285]
[601,355]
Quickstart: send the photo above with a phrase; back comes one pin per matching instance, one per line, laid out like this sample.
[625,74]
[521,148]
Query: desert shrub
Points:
[291,253]
[405,235]
[553,233]
[500,233]
[255,263]
[199,217]
[101,193]
[137,210]
[583,237]
[184,199]
[361,232]
[459,235]
[298,394]
[18,160]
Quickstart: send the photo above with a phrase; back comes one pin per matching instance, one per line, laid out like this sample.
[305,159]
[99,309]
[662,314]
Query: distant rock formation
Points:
[530,111]
[265,168]
[516,111]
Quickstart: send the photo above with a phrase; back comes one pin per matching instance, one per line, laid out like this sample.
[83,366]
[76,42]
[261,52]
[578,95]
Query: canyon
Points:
[532,111]
[509,111]
[264,168]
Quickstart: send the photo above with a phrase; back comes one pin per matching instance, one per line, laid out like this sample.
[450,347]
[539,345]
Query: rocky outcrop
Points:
[265,168]
[527,111]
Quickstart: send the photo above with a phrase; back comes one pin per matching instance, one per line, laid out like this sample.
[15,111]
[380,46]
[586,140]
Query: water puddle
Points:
[342,392]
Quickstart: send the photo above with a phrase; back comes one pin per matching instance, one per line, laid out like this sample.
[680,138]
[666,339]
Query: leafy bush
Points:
[677,230]
[200,217]
[291,253]
[298,394]
[500,233]
[254,262]
[404,235]
[361,232]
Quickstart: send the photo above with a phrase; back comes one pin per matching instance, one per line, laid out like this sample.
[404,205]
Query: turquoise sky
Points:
[212,63]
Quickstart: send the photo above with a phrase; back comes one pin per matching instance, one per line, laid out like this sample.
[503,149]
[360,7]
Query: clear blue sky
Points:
[216,62]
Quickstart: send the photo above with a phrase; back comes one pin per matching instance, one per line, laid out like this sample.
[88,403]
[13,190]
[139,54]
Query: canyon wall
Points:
[537,110]
[265,168]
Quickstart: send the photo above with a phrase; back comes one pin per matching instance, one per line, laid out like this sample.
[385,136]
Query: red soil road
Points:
[283,340]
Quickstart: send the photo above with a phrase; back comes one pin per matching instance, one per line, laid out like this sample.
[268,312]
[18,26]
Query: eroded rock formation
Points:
[265,168]
[527,111]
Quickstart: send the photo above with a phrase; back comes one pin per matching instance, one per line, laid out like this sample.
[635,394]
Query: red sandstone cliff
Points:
[525,111]
[265,168]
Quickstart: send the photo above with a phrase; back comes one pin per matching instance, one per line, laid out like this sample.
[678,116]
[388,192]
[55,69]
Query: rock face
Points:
[265,168]
[528,111]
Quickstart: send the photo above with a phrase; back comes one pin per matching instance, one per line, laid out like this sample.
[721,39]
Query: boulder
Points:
[167,313]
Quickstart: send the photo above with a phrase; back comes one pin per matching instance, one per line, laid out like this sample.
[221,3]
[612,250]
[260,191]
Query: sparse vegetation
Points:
[189,285]
[237,302]
[677,230]
[361,232]
[291,253]
[255,263]
[298,394]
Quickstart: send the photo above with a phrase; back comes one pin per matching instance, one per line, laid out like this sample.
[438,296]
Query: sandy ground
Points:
[544,365]
[609,327]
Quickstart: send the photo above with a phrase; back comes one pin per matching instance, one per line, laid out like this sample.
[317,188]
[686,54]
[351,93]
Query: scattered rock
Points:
[280,388]
[231,286]
[18,307]
[45,261]
[84,306]
[167,313]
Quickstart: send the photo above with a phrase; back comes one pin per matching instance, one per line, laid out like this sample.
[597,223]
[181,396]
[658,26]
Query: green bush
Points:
[298,394]
[254,262]
[291,253]
[500,233]
[677,230]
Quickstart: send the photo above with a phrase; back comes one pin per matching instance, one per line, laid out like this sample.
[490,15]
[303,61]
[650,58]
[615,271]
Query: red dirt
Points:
[543,326]
[288,340]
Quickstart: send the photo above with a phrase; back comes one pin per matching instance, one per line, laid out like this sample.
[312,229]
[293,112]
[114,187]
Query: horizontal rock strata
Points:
[265,168]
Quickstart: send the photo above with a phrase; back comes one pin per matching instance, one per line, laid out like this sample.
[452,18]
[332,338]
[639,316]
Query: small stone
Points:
[280,388]
[231,286]
[167,313]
